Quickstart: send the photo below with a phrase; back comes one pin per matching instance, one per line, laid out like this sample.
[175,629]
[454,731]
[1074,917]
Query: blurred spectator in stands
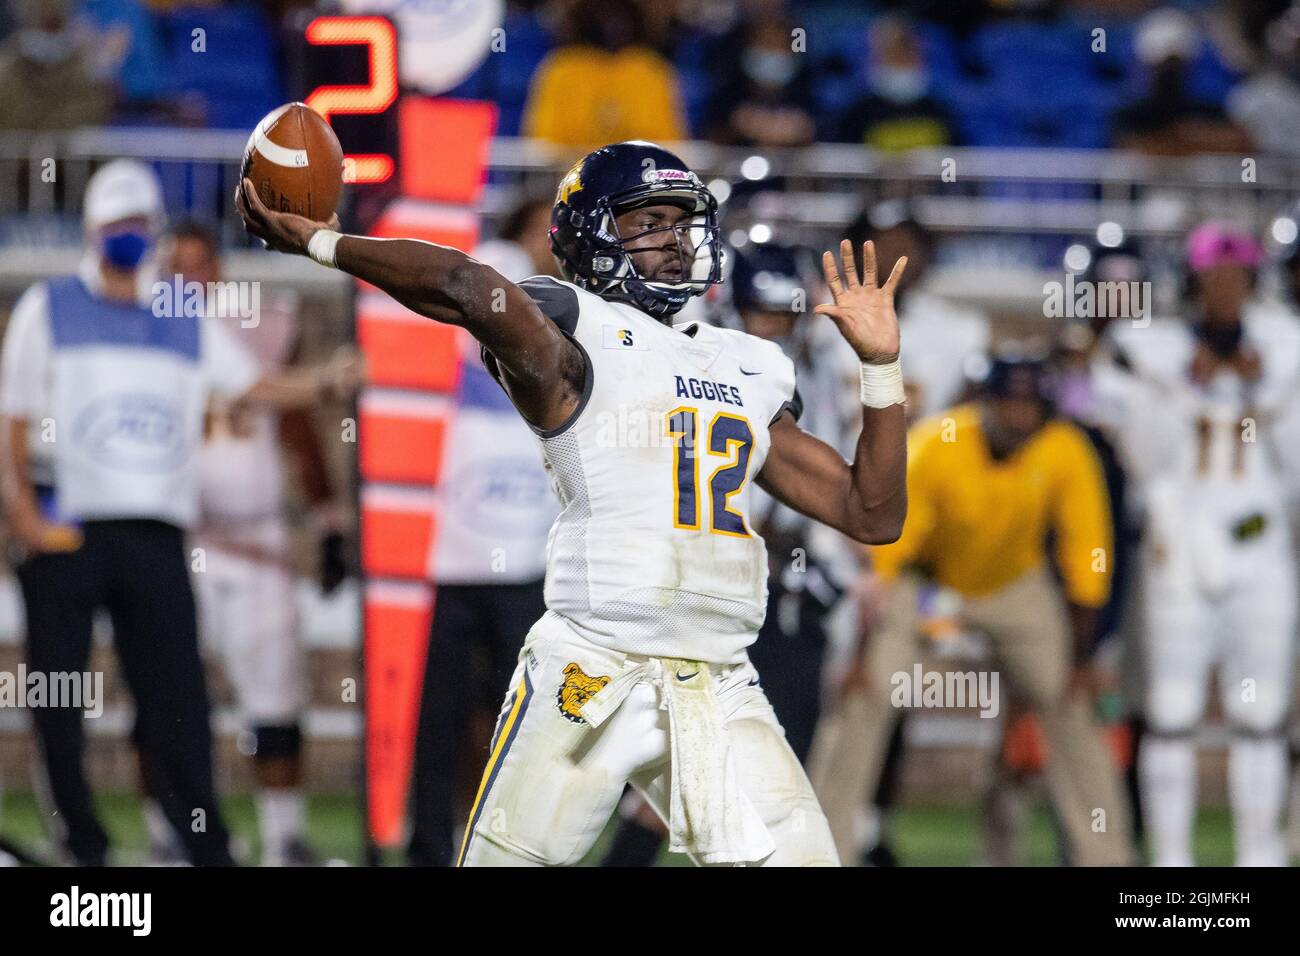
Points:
[967,17]
[942,337]
[766,100]
[605,84]
[137,64]
[1169,120]
[1267,103]
[899,112]
[48,74]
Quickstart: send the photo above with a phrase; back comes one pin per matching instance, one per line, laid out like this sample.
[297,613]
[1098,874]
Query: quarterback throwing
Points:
[656,583]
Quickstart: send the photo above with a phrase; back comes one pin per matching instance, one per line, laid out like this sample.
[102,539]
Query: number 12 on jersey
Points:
[730,438]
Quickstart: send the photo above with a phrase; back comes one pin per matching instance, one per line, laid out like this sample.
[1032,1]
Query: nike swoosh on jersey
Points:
[688,676]
[745,371]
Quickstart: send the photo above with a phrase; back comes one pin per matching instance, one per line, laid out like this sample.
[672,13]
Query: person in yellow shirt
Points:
[606,85]
[989,485]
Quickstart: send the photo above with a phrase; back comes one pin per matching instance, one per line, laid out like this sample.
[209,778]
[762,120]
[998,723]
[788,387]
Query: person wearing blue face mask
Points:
[767,100]
[104,380]
[124,246]
[48,72]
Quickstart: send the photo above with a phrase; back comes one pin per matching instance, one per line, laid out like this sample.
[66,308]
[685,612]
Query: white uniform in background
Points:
[1214,471]
[495,500]
[940,337]
[656,584]
[246,587]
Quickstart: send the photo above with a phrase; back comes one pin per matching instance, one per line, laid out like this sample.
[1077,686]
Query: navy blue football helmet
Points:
[1019,372]
[1118,263]
[768,276]
[611,181]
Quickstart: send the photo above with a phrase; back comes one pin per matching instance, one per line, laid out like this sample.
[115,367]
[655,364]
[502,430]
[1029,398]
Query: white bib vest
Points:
[127,408]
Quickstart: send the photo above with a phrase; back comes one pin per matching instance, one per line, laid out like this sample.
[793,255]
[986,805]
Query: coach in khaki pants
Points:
[986,484]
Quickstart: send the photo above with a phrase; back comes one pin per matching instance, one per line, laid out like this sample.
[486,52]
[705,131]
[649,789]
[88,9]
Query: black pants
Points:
[137,570]
[789,654]
[474,643]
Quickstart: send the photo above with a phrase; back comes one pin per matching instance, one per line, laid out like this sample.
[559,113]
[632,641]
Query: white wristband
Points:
[321,246]
[882,385]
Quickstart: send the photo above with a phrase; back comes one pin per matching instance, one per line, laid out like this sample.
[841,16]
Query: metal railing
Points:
[1036,190]
[1009,209]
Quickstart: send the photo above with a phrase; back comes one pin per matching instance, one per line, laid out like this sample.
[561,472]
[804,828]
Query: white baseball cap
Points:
[1165,33]
[122,189]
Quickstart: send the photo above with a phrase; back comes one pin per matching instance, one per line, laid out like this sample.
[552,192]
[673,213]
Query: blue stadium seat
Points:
[692,58]
[1120,58]
[977,124]
[1004,111]
[237,74]
[1128,78]
[1038,48]
[143,75]
[1211,79]
[505,78]
[838,33]
[941,51]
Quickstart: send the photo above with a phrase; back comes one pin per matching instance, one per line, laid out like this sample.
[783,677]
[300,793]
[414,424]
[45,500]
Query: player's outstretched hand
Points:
[862,310]
[281,231]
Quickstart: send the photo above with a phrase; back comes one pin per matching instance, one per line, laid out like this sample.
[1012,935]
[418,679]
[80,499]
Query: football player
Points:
[1210,437]
[247,597]
[1288,292]
[809,568]
[656,581]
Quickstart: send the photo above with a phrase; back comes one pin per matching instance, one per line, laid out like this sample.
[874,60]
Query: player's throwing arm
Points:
[541,369]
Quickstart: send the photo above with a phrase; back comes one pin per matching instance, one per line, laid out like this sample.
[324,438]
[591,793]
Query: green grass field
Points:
[925,835]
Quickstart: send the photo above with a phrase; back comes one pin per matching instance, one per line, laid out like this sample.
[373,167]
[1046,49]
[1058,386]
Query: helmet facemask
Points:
[612,266]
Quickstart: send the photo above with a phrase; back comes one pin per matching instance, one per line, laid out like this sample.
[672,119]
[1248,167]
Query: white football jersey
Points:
[240,464]
[1213,464]
[654,552]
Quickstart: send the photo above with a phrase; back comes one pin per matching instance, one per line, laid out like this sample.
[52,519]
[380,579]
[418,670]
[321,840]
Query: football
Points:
[295,162]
